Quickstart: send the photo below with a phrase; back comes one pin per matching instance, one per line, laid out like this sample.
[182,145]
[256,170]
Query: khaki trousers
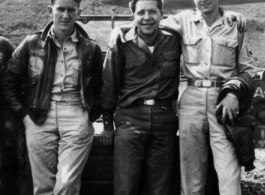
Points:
[197,123]
[58,148]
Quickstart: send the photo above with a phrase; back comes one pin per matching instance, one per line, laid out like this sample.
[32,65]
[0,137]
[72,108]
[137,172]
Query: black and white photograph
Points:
[132,97]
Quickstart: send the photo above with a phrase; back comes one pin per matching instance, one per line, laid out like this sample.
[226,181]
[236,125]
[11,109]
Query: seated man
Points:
[141,82]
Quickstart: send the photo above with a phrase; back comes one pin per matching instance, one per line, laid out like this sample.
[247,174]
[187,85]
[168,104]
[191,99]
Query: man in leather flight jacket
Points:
[60,69]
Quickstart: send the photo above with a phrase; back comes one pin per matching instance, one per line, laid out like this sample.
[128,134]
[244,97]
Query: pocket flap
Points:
[136,61]
[171,55]
[226,42]
[76,65]
[191,40]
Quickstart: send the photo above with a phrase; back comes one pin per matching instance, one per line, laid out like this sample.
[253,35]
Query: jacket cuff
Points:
[108,119]
[23,112]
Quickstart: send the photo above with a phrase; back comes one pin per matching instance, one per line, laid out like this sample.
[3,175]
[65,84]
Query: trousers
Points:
[58,148]
[144,150]
[197,123]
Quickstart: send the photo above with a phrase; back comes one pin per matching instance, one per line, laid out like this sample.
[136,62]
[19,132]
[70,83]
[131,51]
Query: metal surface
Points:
[181,4]
[259,110]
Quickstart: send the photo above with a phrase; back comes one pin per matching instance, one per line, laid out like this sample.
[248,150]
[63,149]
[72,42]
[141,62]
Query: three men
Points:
[60,69]
[141,83]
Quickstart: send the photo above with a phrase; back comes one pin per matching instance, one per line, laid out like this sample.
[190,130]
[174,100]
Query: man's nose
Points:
[66,14]
[147,16]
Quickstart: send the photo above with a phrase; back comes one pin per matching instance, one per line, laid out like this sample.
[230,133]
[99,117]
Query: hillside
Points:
[22,17]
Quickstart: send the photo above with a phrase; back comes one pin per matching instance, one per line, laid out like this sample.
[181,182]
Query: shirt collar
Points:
[73,37]
[197,17]
[132,34]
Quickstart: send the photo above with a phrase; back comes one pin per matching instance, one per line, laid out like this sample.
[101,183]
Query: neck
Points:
[61,36]
[148,39]
[212,17]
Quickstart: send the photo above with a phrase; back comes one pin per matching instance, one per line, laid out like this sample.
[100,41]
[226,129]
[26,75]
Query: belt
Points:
[153,102]
[205,83]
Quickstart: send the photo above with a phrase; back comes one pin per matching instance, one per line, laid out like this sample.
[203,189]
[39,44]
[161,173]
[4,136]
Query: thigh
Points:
[76,137]
[193,131]
[225,160]
[42,143]
[129,150]
[160,153]
[73,124]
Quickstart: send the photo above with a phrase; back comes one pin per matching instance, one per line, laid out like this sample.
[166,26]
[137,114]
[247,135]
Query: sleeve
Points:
[172,22]
[6,50]
[245,61]
[112,71]
[13,79]
[9,48]
[126,27]
[96,73]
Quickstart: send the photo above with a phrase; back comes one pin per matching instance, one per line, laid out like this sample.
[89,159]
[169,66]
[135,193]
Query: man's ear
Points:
[133,19]
[79,12]
[49,10]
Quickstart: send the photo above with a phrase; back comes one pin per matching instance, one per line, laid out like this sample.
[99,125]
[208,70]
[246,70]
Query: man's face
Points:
[147,17]
[206,6]
[64,14]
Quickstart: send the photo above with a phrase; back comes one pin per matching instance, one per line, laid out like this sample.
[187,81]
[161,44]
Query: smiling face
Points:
[64,14]
[207,6]
[147,17]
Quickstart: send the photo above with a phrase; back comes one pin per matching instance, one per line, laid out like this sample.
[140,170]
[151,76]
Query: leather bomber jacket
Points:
[241,133]
[28,78]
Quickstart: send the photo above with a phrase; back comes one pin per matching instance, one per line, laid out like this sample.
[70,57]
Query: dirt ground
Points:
[22,17]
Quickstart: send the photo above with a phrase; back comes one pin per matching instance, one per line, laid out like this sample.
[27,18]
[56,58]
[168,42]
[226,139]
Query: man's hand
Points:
[232,17]
[116,33]
[230,107]
[106,136]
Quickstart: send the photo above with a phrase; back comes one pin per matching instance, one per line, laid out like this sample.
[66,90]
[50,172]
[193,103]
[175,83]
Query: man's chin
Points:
[66,30]
[148,32]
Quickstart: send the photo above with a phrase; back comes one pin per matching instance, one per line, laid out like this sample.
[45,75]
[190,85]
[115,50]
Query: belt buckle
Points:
[206,83]
[149,102]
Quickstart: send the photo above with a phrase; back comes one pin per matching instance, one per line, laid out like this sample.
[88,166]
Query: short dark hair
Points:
[77,1]
[132,5]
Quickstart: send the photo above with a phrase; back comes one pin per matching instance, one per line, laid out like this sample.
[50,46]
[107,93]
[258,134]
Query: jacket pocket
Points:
[29,85]
[169,63]
[135,61]
[191,49]
[224,52]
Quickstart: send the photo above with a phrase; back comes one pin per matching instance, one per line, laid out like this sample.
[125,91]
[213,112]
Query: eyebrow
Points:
[66,8]
[146,10]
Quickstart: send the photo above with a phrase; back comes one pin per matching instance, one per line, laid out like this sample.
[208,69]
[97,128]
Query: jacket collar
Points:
[132,35]
[80,32]
[73,37]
